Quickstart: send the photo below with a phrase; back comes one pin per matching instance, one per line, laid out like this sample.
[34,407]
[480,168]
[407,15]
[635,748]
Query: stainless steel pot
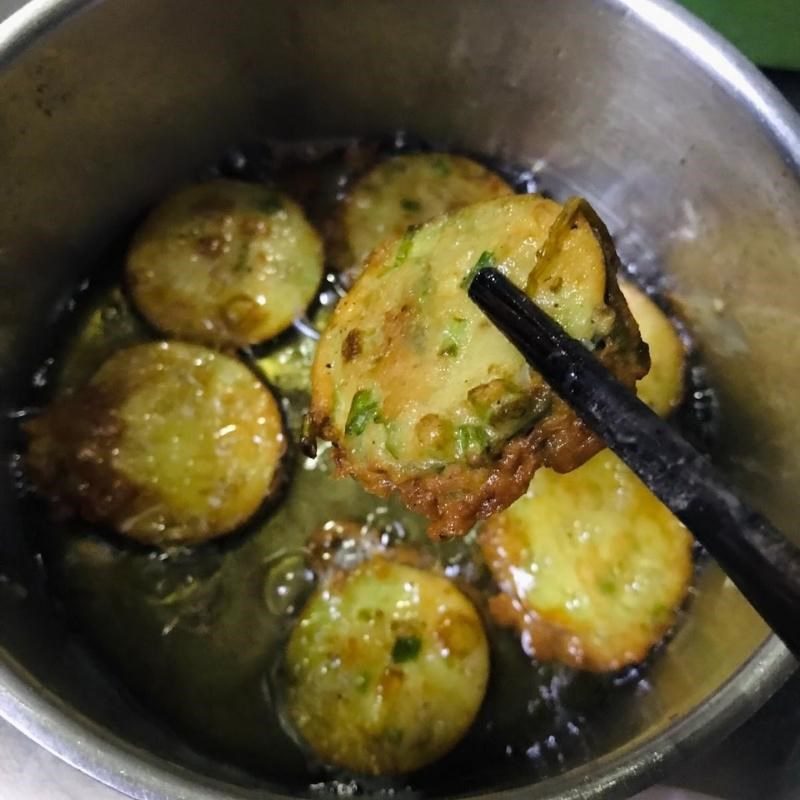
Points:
[688,152]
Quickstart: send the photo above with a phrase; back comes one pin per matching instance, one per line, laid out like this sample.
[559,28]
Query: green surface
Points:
[766,31]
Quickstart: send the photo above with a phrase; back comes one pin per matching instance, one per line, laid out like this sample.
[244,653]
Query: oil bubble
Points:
[287,585]
[388,530]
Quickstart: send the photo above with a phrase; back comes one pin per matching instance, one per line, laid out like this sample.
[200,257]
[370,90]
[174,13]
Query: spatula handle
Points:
[759,559]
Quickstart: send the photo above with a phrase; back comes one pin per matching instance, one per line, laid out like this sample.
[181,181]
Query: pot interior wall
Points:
[122,100]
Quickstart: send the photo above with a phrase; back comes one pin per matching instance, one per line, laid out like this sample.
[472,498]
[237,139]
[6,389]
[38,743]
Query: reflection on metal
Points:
[632,102]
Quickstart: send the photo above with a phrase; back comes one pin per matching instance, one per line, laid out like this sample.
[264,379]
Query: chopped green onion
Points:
[471,440]
[442,165]
[453,337]
[486,259]
[363,410]
[607,586]
[404,248]
[391,442]
[406,648]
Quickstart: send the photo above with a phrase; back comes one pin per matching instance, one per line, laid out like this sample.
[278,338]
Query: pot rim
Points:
[44,718]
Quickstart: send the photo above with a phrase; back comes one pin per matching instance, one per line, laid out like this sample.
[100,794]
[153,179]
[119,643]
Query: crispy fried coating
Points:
[224,263]
[592,566]
[422,396]
[168,444]
[406,190]
[387,668]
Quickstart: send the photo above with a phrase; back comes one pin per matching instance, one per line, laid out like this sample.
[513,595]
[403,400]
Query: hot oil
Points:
[197,634]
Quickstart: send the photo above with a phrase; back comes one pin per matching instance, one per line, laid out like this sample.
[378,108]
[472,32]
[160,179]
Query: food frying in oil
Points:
[402,191]
[458,535]
[168,443]
[225,263]
[592,567]
[386,667]
[422,396]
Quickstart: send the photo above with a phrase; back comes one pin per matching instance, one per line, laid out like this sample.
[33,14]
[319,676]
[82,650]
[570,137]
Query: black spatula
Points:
[759,559]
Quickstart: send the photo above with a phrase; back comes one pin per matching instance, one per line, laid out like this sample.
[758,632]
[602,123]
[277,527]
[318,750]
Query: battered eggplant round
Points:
[662,388]
[387,668]
[421,395]
[225,263]
[168,444]
[407,190]
[592,566]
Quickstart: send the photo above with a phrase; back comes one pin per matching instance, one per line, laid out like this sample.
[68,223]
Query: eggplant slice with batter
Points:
[406,190]
[591,565]
[224,263]
[387,668]
[168,444]
[422,396]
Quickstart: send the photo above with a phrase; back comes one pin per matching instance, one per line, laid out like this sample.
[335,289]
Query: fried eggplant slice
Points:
[168,444]
[224,263]
[422,396]
[663,387]
[387,668]
[592,566]
[406,190]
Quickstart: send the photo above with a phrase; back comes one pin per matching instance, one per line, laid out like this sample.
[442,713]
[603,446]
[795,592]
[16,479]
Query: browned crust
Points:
[454,499]
[70,458]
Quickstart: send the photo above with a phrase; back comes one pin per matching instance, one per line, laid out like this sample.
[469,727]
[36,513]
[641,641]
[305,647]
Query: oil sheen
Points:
[197,635]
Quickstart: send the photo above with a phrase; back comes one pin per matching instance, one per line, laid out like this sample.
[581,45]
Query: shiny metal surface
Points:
[28,772]
[690,155]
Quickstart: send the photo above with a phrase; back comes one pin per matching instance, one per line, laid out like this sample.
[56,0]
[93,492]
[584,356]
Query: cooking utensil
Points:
[759,559]
[681,145]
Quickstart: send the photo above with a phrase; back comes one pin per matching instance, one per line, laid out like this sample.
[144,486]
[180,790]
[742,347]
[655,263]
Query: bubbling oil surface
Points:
[197,635]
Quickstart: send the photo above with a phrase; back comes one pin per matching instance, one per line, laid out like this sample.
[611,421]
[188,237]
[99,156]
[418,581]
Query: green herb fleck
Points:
[442,165]
[363,410]
[424,284]
[406,648]
[453,337]
[392,442]
[403,248]
[471,440]
[409,204]
[486,259]
[607,586]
